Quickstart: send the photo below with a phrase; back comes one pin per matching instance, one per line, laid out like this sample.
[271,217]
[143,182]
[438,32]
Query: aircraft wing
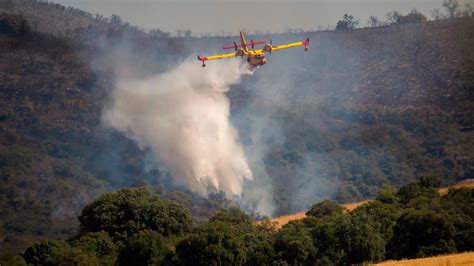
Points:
[219,56]
[290,45]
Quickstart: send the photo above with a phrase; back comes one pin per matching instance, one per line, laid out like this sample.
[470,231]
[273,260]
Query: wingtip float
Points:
[254,57]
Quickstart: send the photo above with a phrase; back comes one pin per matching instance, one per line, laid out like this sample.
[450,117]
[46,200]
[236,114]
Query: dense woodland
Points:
[364,108]
[134,226]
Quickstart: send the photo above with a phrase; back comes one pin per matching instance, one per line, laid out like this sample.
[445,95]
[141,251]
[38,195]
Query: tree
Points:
[373,22]
[348,22]
[325,208]
[13,261]
[326,239]
[183,33]
[451,7]
[188,33]
[393,17]
[231,216]
[131,210]
[145,248]
[215,243]
[362,242]
[460,203]
[413,17]
[388,194]
[293,244]
[51,252]
[116,20]
[421,233]
[158,33]
[260,249]
[382,217]
[468,9]
[436,14]
[342,25]
[99,243]
[429,181]
[418,190]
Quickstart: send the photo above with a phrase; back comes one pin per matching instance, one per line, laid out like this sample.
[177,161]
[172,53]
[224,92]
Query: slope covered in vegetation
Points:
[135,226]
[365,108]
[362,109]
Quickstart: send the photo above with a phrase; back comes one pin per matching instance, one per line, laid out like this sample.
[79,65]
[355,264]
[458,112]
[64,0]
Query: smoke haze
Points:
[182,117]
[230,16]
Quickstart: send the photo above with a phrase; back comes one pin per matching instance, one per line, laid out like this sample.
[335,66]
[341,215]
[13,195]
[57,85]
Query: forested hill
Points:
[365,108]
[362,109]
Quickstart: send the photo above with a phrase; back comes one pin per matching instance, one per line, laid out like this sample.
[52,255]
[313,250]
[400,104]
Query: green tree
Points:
[260,249]
[362,241]
[388,195]
[326,236]
[381,216]
[460,204]
[231,216]
[325,208]
[215,243]
[131,210]
[99,243]
[421,233]
[145,248]
[293,244]
[13,261]
[51,252]
[429,181]
[347,239]
[414,190]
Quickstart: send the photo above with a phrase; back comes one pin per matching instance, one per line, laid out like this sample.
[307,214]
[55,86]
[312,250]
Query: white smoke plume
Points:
[183,117]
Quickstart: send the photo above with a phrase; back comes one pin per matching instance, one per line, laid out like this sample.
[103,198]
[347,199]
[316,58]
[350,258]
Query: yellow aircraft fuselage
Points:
[254,58]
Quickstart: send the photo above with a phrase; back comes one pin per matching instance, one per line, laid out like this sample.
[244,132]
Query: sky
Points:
[230,16]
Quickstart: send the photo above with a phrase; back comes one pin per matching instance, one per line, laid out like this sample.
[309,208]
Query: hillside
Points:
[361,109]
[54,154]
[134,225]
[51,18]
[282,220]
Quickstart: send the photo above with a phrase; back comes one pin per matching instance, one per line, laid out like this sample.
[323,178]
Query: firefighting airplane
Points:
[254,57]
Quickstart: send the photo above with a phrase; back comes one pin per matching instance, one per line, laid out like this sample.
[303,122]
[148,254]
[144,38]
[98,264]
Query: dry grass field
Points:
[468,183]
[464,259]
[282,220]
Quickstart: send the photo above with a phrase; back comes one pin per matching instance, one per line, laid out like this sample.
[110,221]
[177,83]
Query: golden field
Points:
[464,259]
